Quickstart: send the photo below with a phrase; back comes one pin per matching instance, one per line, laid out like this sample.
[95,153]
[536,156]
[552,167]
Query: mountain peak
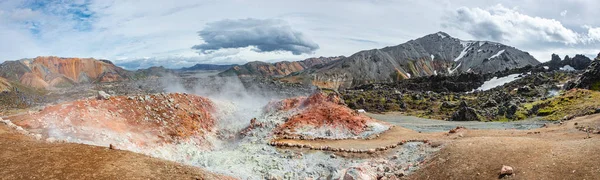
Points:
[439,34]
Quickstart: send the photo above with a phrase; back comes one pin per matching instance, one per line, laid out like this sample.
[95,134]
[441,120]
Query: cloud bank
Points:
[499,23]
[264,35]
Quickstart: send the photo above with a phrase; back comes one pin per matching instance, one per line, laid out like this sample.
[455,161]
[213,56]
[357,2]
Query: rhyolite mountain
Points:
[278,69]
[51,71]
[433,54]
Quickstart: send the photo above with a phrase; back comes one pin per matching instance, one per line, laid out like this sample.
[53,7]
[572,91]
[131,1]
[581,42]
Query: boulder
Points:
[103,95]
[361,172]
[465,113]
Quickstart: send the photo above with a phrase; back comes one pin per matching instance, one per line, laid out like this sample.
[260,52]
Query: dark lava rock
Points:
[490,103]
[464,113]
[447,105]
[511,110]
[590,79]
[524,89]
[579,62]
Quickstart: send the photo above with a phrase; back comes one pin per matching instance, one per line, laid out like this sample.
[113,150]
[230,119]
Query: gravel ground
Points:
[431,125]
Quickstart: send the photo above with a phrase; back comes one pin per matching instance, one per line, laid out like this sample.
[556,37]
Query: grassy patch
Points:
[573,102]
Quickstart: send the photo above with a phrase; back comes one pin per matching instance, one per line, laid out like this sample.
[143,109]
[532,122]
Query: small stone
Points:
[506,170]
[333,156]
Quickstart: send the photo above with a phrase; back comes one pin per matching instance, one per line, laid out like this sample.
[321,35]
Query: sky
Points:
[181,33]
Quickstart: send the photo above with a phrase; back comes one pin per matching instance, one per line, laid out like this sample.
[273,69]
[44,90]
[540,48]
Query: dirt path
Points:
[432,125]
[557,152]
[24,158]
[392,136]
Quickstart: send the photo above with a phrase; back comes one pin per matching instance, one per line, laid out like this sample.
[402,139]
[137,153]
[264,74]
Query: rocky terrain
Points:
[589,79]
[441,97]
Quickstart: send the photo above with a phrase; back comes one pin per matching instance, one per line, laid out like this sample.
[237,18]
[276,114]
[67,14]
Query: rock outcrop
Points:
[590,79]
[5,86]
[579,62]
[465,113]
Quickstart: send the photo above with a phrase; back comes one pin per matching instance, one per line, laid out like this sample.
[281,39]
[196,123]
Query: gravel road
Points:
[432,125]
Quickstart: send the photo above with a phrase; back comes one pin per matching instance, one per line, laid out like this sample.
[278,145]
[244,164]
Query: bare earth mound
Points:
[127,122]
[322,116]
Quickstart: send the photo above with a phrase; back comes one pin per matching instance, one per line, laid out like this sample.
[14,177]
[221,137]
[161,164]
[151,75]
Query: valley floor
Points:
[552,152]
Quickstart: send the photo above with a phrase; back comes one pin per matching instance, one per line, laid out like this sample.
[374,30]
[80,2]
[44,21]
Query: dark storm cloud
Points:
[265,35]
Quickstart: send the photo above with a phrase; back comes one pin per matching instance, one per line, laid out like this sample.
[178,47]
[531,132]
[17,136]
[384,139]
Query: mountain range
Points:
[433,54]
[278,69]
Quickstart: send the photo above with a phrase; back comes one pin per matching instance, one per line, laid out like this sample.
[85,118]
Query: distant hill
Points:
[207,67]
[278,69]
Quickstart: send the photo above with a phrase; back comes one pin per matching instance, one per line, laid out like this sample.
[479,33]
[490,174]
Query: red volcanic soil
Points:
[141,119]
[321,111]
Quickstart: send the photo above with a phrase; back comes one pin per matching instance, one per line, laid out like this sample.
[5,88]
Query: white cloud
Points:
[499,23]
[538,35]
[563,13]
[593,34]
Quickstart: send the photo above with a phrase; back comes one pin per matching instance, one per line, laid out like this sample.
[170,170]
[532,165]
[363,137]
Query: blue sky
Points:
[185,32]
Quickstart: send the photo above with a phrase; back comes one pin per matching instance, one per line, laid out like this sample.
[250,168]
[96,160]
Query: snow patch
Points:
[432,56]
[452,70]
[546,67]
[481,43]
[408,74]
[495,82]
[435,72]
[567,68]
[465,45]
[497,54]
[441,35]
